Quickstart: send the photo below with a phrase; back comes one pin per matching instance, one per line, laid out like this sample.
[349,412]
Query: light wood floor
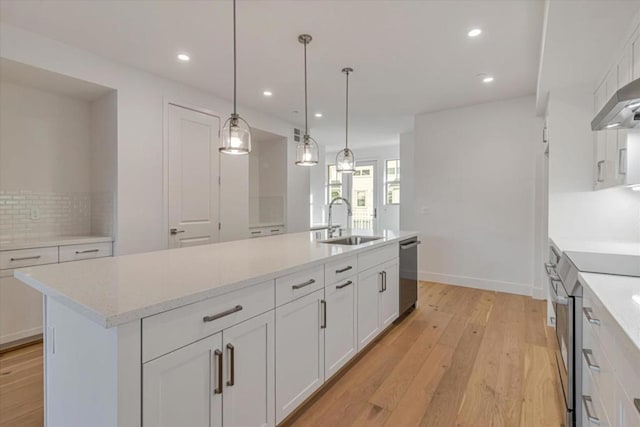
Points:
[465,357]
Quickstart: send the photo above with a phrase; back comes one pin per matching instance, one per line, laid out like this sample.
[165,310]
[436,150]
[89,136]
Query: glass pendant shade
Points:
[236,136]
[345,162]
[307,152]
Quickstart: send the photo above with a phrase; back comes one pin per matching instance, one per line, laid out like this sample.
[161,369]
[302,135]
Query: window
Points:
[392,182]
[361,198]
[334,184]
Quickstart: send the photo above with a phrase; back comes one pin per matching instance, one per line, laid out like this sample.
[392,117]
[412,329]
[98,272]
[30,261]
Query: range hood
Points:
[621,111]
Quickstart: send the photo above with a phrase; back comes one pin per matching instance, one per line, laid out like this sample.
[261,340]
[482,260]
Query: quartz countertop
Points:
[116,290]
[620,295]
[603,246]
[43,242]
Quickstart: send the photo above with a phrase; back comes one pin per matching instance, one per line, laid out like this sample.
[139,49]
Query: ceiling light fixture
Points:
[236,133]
[487,79]
[183,57]
[307,148]
[345,161]
[267,93]
[318,115]
[475,32]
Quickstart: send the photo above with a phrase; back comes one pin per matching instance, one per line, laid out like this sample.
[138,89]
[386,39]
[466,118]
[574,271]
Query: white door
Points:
[182,388]
[369,286]
[249,393]
[299,351]
[389,297]
[340,339]
[193,177]
[364,191]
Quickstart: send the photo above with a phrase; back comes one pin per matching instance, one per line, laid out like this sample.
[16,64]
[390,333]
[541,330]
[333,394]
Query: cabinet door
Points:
[600,156]
[635,56]
[624,68]
[389,298]
[249,391]
[299,351]
[340,340]
[369,286]
[182,388]
[629,412]
[612,158]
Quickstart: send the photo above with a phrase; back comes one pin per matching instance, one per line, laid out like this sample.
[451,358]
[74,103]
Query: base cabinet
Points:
[340,339]
[213,382]
[300,351]
[389,296]
[180,388]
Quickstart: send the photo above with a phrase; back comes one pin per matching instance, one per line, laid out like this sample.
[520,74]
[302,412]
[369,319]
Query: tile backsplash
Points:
[32,215]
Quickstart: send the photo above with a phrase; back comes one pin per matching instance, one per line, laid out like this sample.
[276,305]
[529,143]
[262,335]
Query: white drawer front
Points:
[176,328]
[600,322]
[340,269]
[85,251]
[590,403]
[299,284]
[28,257]
[628,367]
[378,256]
[256,232]
[601,370]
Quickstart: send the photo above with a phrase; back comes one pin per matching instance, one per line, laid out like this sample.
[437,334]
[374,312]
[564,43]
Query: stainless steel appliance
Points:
[408,274]
[566,294]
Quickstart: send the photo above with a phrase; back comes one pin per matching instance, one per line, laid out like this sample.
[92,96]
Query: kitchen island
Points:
[237,334]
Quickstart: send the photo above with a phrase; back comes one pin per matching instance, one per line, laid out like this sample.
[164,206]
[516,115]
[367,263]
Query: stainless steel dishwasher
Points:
[408,274]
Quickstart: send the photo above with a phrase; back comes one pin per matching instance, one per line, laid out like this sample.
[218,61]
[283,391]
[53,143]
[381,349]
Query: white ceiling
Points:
[408,56]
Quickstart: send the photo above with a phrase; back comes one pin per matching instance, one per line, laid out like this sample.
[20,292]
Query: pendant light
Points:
[236,133]
[345,162]
[307,148]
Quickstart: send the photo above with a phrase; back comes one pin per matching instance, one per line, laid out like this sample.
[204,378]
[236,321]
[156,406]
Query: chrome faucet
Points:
[349,213]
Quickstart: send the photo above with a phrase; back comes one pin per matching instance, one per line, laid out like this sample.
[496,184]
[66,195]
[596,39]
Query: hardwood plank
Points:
[540,389]
[21,387]
[536,322]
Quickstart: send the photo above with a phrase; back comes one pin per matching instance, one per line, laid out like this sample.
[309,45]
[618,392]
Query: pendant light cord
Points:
[346,125]
[306,113]
[234,58]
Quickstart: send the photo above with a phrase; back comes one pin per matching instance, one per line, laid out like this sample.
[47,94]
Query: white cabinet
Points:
[214,381]
[249,388]
[184,388]
[377,301]
[300,351]
[341,340]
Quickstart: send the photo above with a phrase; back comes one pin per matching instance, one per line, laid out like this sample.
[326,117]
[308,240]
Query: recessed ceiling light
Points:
[487,79]
[475,32]
[267,93]
[183,57]
[318,114]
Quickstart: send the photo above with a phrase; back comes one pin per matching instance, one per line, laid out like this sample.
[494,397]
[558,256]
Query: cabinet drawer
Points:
[597,319]
[589,403]
[340,269]
[86,251]
[378,256]
[299,284]
[175,328]
[28,257]
[256,232]
[601,369]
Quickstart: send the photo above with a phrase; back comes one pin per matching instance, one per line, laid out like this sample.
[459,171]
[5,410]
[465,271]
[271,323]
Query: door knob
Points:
[175,231]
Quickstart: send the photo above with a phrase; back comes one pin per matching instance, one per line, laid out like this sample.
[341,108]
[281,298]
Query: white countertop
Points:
[621,297]
[43,242]
[117,290]
[603,246]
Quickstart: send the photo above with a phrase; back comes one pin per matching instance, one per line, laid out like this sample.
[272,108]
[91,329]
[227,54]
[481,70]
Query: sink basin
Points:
[351,240]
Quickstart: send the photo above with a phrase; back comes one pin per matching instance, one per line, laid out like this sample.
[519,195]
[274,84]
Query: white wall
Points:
[575,210]
[141,197]
[388,215]
[475,191]
[407,189]
[44,141]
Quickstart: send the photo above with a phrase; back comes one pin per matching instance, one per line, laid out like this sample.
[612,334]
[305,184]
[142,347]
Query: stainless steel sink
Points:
[351,240]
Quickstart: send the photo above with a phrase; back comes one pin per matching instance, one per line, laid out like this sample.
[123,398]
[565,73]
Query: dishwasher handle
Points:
[409,245]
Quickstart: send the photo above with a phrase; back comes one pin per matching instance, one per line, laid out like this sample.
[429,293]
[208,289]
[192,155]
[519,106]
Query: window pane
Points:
[392,170]
[335,191]
[333,175]
[393,193]
[361,198]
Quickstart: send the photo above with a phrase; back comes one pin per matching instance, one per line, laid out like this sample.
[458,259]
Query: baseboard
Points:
[9,339]
[19,343]
[539,293]
[473,282]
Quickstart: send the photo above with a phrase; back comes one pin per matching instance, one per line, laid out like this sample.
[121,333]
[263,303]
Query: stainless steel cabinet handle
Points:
[324,314]
[600,165]
[588,312]
[381,275]
[591,413]
[223,314]
[302,285]
[410,245]
[175,231]
[622,161]
[25,258]
[588,357]
[218,356]
[554,277]
[256,232]
[342,270]
[636,402]
[384,281]
[88,251]
[232,364]
[344,285]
